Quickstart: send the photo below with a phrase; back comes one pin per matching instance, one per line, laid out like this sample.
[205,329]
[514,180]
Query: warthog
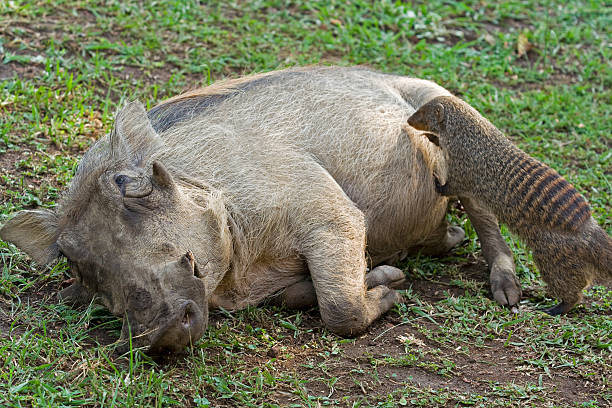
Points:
[264,187]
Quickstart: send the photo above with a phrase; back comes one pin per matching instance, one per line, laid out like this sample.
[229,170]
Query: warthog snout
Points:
[169,310]
[184,329]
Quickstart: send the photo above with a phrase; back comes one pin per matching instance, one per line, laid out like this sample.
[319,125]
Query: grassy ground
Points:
[540,70]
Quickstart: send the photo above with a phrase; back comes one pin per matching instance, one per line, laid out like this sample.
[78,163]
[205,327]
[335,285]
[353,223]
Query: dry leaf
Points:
[335,21]
[523,45]
[409,340]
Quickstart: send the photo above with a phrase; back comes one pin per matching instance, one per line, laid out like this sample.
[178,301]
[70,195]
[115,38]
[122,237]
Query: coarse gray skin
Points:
[264,187]
[536,203]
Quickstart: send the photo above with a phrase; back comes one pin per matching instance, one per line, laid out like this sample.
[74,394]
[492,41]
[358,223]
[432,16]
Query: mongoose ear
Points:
[429,117]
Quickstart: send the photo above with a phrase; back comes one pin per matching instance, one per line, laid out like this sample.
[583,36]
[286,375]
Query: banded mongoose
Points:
[536,203]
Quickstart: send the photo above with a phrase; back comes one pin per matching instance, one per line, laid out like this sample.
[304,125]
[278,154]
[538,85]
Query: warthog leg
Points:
[332,240]
[337,267]
[505,285]
[302,295]
[75,294]
[444,238]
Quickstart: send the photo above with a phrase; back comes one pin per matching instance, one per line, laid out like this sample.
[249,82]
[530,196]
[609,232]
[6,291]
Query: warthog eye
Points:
[121,180]
[133,184]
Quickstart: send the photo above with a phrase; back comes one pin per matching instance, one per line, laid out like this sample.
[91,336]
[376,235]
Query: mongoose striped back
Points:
[541,192]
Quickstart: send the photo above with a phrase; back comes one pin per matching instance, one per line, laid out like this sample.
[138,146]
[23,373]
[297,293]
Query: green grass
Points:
[67,65]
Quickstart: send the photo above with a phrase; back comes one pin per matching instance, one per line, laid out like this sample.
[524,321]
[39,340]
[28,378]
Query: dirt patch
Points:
[6,71]
[9,158]
[8,167]
[360,372]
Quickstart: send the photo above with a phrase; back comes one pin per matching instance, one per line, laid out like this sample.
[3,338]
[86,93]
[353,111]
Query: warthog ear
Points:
[161,176]
[34,232]
[133,136]
[429,117]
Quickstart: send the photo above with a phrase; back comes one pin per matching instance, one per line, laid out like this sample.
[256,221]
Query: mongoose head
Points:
[447,121]
[430,117]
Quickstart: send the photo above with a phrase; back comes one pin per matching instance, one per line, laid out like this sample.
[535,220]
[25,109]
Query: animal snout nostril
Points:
[185,328]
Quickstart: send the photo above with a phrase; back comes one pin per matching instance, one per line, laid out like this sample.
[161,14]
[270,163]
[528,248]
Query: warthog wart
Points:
[285,186]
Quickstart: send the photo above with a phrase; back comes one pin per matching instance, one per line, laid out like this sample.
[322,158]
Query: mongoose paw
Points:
[505,286]
[440,188]
[507,295]
[559,309]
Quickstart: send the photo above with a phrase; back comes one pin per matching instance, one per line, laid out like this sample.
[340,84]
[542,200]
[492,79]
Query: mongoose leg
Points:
[505,286]
[565,276]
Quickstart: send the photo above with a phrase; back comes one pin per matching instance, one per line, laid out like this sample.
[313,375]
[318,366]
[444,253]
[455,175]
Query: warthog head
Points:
[147,243]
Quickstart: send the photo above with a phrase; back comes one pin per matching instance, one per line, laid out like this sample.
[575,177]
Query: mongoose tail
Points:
[602,252]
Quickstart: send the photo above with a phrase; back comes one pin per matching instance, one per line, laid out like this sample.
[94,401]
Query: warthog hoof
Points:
[385,275]
[75,294]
